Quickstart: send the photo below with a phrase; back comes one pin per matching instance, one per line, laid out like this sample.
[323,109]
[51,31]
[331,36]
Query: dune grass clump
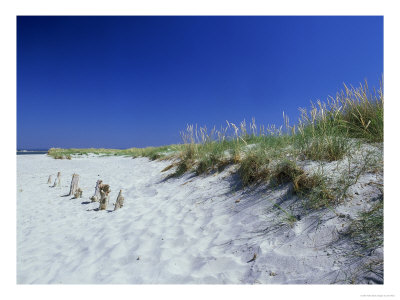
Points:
[187,160]
[327,148]
[286,171]
[184,166]
[153,153]
[303,184]
[362,112]
[59,154]
[313,188]
[204,151]
[209,162]
[320,136]
[215,156]
[324,132]
[254,168]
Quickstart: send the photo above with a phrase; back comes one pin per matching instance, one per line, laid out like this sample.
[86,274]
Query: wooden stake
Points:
[74,184]
[104,196]
[96,196]
[120,201]
[57,182]
[78,193]
[50,179]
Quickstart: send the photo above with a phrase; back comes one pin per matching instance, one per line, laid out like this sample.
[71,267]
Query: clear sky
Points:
[120,82]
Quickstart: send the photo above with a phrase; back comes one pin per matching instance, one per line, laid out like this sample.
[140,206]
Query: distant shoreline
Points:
[24,152]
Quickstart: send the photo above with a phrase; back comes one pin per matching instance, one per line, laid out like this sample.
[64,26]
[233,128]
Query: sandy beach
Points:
[191,229]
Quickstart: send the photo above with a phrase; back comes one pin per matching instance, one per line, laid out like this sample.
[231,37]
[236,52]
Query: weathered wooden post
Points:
[104,196]
[57,182]
[120,201]
[96,196]
[74,184]
[78,193]
[50,179]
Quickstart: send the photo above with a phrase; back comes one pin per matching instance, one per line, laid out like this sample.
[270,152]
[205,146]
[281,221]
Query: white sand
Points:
[184,230]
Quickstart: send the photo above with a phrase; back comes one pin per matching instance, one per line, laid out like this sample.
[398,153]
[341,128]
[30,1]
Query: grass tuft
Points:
[253,168]
[313,188]
[325,148]
[286,171]
[367,230]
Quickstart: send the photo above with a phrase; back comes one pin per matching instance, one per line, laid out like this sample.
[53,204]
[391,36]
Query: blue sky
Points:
[120,82]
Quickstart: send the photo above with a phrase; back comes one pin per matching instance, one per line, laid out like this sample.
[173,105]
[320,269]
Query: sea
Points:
[31,151]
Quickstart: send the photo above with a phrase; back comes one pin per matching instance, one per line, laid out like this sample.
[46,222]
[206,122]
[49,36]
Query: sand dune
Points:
[183,230]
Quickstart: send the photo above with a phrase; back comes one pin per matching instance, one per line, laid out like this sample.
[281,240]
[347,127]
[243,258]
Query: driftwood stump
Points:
[104,196]
[74,184]
[57,182]
[96,196]
[120,201]
[78,193]
[50,179]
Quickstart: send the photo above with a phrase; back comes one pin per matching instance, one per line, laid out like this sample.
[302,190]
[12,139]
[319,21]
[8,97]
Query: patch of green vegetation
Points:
[150,152]
[313,188]
[369,161]
[328,148]
[362,115]
[323,132]
[183,167]
[186,161]
[286,171]
[254,168]
[367,229]
[62,156]
[212,157]
[208,163]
